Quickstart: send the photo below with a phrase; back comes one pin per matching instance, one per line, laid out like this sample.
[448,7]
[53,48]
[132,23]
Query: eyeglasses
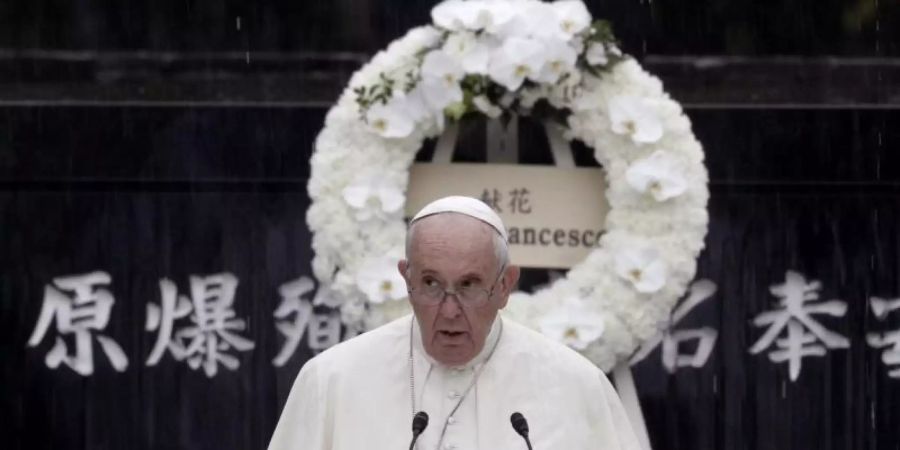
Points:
[432,293]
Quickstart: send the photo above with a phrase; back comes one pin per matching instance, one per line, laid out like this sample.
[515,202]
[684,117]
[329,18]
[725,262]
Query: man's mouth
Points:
[451,334]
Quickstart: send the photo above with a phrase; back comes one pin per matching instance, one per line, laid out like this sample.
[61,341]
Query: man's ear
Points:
[508,283]
[402,265]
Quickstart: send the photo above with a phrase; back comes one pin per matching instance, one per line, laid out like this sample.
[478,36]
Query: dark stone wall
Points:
[163,139]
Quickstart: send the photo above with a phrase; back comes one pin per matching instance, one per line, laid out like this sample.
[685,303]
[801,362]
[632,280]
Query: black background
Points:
[136,138]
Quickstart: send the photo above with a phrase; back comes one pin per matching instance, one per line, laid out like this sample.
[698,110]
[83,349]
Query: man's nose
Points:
[450,307]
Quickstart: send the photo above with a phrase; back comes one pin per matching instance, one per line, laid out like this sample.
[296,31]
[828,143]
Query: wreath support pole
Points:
[562,153]
[503,141]
[628,394]
[443,150]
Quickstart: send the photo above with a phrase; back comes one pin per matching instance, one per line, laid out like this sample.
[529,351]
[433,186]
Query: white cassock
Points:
[356,396]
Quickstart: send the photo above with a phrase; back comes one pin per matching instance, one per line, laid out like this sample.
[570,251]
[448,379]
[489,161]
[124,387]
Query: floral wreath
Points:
[505,57]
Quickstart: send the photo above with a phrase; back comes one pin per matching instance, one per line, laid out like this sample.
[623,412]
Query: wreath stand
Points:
[502,145]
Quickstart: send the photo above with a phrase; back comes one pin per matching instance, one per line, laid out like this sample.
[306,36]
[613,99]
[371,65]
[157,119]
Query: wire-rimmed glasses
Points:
[432,293]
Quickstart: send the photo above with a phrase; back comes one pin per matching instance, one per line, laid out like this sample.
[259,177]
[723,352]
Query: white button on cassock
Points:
[451,420]
[452,394]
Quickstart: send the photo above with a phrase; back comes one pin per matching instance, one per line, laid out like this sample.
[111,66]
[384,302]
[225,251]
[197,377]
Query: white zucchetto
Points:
[469,206]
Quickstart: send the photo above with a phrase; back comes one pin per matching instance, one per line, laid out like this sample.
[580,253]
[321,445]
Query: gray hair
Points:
[501,248]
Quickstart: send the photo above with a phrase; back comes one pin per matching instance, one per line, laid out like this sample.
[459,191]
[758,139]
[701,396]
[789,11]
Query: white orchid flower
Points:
[572,17]
[471,52]
[473,15]
[560,59]
[573,324]
[528,19]
[439,65]
[596,54]
[643,268]
[438,96]
[457,15]
[414,104]
[379,279]
[631,116]
[659,175]
[428,112]
[492,17]
[390,120]
[516,60]
[441,77]
[373,197]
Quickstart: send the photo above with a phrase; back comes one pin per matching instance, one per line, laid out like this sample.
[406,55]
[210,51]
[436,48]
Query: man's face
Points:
[455,250]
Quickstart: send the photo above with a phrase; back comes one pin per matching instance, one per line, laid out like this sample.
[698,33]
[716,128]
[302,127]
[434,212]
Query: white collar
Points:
[489,344]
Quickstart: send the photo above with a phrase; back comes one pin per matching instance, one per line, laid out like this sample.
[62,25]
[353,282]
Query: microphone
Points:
[419,423]
[521,426]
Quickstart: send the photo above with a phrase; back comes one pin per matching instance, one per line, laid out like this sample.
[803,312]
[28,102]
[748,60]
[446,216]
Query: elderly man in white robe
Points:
[455,359]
